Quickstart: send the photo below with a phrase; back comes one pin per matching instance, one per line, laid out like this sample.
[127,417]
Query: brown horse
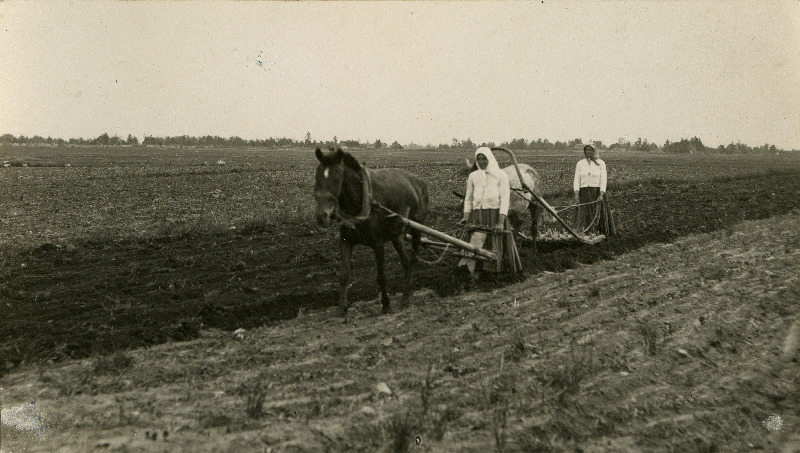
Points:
[355,195]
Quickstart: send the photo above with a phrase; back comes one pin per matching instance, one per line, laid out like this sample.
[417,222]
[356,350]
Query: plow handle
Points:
[539,199]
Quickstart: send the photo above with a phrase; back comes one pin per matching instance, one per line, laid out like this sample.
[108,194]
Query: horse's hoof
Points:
[386,310]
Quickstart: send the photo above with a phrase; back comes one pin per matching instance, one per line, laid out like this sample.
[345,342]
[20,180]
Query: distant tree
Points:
[542,145]
[396,145]
[379,144]
[102,140]
[308,138]
[573,142]
[517,143]
[692,146]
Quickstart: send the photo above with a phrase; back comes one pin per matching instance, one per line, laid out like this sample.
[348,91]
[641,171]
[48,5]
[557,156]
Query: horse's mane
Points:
[351,162]
[336,156]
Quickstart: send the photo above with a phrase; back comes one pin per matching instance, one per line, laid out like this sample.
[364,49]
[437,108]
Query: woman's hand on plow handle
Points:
[501,223]
[464,220]
[600,198]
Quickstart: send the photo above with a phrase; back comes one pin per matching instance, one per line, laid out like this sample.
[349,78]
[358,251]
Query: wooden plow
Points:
[449,245]
[552,211]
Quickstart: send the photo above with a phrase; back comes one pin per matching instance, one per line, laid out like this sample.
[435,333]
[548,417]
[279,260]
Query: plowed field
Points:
[118,252]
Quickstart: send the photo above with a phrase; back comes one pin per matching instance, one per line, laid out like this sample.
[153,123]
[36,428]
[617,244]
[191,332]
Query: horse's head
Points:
[468,167]
[328,184]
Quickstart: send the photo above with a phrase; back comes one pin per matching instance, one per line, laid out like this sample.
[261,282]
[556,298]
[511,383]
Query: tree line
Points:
[683,146]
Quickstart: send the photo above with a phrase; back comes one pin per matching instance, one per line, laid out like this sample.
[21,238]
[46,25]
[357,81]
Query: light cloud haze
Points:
[423,72]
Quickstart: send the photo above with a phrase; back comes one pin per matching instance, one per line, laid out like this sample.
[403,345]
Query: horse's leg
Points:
[405,260]
[416,240]
[514,218]
[380,258]
[345,253]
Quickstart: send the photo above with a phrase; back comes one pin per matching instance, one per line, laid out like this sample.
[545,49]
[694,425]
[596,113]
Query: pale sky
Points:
[423,72]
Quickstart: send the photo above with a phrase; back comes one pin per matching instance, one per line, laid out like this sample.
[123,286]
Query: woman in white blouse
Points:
[590,194]
[486,209]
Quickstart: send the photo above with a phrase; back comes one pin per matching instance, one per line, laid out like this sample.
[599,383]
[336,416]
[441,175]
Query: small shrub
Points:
[255,400]
[426,391]
[82,383]
[501,394]
[566,377]
[254,393]
[440,422]
[726,335]
[400,429]
[517,350]
[534,440]
[115,364]
[651,334]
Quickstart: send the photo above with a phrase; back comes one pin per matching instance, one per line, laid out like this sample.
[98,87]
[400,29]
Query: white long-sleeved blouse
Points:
[494,194]
[589,174]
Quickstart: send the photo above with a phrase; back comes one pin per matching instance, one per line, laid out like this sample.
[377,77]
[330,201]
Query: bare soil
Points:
[679,334]
[683,346]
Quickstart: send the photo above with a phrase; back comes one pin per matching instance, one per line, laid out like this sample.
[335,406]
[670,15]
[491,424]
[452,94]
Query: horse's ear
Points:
[319,155]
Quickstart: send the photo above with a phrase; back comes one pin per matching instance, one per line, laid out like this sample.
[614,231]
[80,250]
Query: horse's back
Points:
[400,191]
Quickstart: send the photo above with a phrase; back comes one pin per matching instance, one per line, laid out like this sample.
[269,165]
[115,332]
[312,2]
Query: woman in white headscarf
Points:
[589,184]
[486,209]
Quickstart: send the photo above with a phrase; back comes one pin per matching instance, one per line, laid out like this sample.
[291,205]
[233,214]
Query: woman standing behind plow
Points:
[593,215]
[485,209]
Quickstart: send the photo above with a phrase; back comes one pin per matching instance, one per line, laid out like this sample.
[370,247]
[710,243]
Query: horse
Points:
[521,200]
[358,198]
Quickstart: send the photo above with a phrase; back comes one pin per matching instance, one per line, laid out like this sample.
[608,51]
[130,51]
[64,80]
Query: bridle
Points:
[366,200]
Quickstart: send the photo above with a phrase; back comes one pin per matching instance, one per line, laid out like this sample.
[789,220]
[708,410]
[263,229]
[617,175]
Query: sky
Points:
[421,72]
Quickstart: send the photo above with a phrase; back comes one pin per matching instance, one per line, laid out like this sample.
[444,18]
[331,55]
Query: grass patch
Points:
[565,376]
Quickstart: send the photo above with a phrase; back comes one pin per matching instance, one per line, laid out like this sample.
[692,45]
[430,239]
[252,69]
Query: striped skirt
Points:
[587,215]
[501,244]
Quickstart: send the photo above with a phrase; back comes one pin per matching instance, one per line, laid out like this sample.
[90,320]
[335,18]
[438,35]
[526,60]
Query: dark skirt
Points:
[594,218]
[502,243]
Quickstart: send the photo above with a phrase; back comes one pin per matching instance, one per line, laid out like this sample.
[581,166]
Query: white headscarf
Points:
[492,167]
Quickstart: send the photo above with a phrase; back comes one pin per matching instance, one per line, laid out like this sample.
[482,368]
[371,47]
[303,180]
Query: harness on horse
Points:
[366,201]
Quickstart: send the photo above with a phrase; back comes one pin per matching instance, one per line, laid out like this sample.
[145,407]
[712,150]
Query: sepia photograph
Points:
[400,226]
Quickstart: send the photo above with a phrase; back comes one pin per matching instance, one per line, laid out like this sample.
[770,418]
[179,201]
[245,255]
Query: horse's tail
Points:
[422,199]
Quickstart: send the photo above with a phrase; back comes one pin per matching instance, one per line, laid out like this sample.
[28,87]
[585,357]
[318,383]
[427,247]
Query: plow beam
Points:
[425,242]
[448,239]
